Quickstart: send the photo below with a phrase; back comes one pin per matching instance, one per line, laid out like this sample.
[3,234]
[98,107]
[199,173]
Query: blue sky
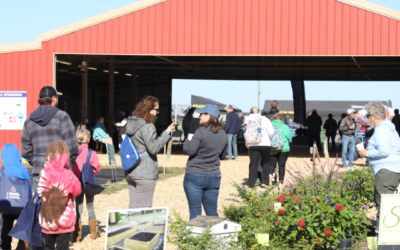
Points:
[22,20]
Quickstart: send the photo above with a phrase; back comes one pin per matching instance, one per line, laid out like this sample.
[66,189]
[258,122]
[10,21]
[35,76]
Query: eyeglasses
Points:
[158,110]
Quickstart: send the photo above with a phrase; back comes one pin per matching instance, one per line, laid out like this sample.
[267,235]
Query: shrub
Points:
[180,235]
[318,207]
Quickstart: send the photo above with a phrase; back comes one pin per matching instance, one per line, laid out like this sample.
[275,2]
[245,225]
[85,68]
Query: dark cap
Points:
[48,91]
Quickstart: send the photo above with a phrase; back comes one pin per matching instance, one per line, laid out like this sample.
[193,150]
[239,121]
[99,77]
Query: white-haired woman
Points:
[262,150]
[383,153]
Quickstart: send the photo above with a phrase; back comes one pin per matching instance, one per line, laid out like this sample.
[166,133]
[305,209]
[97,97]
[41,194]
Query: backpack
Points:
[89,183]
[130,157]
[253,132]
[277,139]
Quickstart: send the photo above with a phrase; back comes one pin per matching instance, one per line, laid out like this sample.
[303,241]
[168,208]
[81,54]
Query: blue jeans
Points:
[35,182]
[232,141]
[348,142]
[202,189]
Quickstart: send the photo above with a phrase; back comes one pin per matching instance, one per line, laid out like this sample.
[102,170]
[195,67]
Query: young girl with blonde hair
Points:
[83,137]
[57,186]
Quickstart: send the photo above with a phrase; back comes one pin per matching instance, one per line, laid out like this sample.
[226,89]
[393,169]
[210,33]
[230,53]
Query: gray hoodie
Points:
[144,136]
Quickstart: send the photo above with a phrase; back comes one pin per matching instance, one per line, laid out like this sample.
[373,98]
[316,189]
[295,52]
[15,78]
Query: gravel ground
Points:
[170,192]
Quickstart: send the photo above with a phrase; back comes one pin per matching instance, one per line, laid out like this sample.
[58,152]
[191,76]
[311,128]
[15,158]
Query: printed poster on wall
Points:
[12,110]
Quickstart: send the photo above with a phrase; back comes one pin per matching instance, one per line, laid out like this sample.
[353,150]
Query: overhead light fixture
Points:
[105,71]
[64,62]
[92,68]
[116,72]
[128,74]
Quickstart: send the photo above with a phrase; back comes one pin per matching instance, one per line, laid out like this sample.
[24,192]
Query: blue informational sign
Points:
[12,110]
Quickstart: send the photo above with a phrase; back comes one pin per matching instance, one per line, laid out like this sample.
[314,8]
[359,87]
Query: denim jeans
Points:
[232,142]
[35,182]
[202,189]
[348,142]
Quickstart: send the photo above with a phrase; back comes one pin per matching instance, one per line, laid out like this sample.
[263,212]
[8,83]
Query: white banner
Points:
[12,110]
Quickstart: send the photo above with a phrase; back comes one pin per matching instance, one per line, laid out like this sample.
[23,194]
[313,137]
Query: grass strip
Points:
[111,188]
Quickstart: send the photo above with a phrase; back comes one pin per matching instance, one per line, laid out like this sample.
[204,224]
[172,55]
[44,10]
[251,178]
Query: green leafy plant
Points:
[318,207]
[180,234]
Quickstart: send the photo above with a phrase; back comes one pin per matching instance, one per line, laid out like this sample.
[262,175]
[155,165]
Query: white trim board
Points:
[372,7]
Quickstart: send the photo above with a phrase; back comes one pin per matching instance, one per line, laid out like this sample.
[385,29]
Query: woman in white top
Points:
[260,151]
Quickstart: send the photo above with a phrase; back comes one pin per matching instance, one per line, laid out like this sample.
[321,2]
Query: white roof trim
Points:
[78,26]
[97,19]
[20,47]
[375,8]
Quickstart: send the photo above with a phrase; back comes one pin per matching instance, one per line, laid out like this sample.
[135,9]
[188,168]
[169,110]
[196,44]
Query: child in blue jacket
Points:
[11,161]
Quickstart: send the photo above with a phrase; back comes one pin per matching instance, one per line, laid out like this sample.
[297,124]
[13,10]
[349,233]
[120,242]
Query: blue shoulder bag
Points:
[89,183]
[130,157]
[14,194]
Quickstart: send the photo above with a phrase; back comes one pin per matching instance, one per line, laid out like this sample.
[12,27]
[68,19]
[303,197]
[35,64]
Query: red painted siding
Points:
[211,27]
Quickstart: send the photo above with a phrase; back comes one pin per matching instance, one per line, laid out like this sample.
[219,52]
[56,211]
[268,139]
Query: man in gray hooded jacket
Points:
[43,126]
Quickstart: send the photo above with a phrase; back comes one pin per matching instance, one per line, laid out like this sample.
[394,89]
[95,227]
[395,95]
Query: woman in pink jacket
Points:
[57,186]
[83,137]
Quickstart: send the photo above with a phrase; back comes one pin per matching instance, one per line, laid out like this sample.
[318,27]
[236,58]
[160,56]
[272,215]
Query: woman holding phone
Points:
[141,129]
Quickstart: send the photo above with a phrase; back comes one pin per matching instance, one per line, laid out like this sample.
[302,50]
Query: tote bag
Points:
[27,227]
[14,194]
[89,183]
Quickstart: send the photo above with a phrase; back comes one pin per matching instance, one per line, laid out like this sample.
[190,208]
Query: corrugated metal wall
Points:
[240,27]
[211,27]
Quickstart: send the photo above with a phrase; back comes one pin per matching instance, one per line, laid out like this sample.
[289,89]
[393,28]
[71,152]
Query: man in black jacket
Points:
[43,126]
[274,110]
[232,127]
[330,127]
[314,123]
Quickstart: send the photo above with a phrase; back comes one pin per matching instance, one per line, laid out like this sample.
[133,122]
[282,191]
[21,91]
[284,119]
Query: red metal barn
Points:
[138,49]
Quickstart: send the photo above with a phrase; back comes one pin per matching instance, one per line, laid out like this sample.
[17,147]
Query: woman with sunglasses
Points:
[141,129]
[203,176]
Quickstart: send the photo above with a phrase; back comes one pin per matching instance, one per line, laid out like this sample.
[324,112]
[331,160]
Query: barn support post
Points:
[111,97]
[153,85]
[93,113]
[169,99]
[134,87]
[84,91]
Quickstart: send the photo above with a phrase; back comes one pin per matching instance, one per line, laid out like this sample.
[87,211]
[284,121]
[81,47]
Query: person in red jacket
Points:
[57,186]
[83,137]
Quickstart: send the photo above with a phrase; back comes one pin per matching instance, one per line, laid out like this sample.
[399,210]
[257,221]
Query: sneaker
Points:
[345,166]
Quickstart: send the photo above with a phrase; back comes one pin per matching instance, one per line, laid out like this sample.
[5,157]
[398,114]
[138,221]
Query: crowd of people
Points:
[58,153]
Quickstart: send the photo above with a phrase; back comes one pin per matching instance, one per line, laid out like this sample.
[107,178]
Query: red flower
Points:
[301,223]
[339,207]
[327,232]
[291,194]
[281,198]
[318,200]
[297,201]
[269,209]
[258,212]
[319,241]
[298,192]
[247,215]
[277,223]
[281,212]
[294,189]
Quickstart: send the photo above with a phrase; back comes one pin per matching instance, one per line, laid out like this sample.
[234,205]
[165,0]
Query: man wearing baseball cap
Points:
[347,127]
[43,126]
